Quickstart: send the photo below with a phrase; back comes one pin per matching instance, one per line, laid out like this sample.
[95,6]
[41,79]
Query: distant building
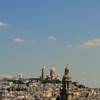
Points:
[20,76]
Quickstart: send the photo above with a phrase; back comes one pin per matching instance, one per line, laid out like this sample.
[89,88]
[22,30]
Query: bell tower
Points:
[66,91]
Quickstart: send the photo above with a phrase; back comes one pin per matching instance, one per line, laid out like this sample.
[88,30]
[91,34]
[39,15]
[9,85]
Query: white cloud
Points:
[3,24]
[89,43]
[6,76]
[52,38]
[19,40]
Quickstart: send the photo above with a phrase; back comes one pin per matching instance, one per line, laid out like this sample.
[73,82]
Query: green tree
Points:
[81,86]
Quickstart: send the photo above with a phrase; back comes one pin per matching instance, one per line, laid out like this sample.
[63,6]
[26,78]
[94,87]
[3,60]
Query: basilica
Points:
[52,75]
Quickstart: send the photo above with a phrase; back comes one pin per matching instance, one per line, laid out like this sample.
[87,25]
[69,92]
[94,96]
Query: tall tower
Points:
[43,73]
[66,91]
[53,72]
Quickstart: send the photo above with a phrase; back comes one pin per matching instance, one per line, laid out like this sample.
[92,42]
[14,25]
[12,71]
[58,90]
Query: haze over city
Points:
[51,32]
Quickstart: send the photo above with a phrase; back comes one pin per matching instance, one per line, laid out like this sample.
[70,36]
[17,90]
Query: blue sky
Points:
[45,32]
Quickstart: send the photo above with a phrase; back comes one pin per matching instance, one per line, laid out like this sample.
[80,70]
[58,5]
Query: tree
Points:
[81,86]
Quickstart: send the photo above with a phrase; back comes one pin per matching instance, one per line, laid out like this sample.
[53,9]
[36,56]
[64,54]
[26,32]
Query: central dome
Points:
[53,69]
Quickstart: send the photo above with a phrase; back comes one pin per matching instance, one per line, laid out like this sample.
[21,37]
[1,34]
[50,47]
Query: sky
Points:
[34,33]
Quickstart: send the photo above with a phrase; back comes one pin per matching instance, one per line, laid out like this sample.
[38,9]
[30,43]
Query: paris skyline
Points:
[36,33]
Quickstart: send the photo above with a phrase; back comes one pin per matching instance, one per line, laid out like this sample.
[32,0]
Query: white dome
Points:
[20,75]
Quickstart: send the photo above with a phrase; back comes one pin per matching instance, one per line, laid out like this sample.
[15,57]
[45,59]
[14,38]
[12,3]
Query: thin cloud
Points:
[6,76]
[3,24]
[19,40]
[52,38]
[89,43]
